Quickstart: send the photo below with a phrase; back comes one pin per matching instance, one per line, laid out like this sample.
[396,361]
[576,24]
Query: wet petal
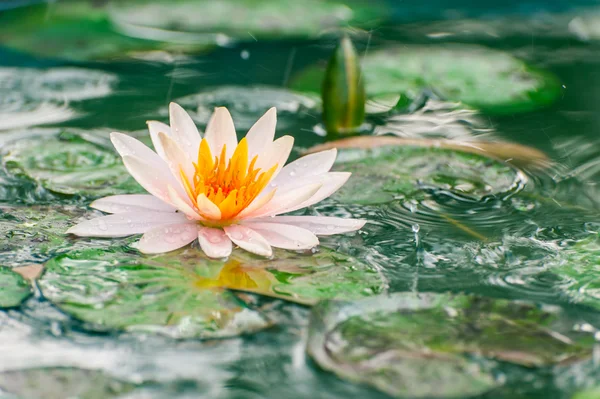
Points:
[262,133]
[285,236]
[214,242]
[125,224]
[167,238]
[331,183]
[131,203]
[248,239]
[309,165]
[177,159]
[284,199]
[277,152]
[184,130]
[182,204]
[154,179]
[155,127]
[128,146]
[319,225]
[207,208]
[220,131]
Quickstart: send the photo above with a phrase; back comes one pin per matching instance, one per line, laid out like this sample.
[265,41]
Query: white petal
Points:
[214,242]
[278,153]
[208,208]
[220,131]
[248,239]
[182,205]
[309,165]
[167,238]
[332,182]
[128,146]
[125,224]
[184,130]
[154,179]
[319,225]
[282,200]
[155,127]
[131,203]
[285,236]
[176,158]
[262,133]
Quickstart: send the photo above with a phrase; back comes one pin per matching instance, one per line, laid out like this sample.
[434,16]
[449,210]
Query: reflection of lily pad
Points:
[75,30]
[303,278]
[14,289]
[34,234]
[486,79]
[421,346]
[58,383]
[243,19]
[247,104]
[68,164]
[115,290]
[381,174]
[579,270]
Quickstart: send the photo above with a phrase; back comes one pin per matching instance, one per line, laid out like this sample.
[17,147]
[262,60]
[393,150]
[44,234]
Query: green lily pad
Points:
[245,19]
[578,270]
[60,383]
[486,79]
[75,30]
[383,174]
[125,291]
[247,104]
[36,233]
[439,345]
[69,164]
[14,289]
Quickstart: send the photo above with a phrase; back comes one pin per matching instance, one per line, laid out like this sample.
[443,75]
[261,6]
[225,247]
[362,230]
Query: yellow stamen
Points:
[231,186]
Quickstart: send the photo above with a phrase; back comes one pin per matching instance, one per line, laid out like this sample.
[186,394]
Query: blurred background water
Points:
[91,67]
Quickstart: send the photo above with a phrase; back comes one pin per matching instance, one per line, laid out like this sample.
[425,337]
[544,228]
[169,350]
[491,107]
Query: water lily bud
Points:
[343,91]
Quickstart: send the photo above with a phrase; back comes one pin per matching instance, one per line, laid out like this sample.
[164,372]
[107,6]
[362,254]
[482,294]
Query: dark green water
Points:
[533,241]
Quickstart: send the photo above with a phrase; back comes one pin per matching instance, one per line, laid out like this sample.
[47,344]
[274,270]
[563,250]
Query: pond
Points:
[475,163]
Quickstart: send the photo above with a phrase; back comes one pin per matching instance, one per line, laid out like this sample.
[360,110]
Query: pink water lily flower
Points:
[218,190]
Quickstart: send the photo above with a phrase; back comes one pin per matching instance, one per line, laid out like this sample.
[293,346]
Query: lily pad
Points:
[124,291]
[60,383]
[75,30]
[439,345]
[578,269]
[69,164]
[383,174]
[245,19]
[14,289]
[247,104]
[36,233]
[486,79]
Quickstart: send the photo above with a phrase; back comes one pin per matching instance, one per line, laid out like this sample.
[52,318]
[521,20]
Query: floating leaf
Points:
[14,289]
[422,345]
[247,104]
[343,91]
[60,383]
[382,174]
[69,164]
[116,290]
[245,20]
[486,79]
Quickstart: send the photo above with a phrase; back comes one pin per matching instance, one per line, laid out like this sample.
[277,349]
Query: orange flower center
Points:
[231,186]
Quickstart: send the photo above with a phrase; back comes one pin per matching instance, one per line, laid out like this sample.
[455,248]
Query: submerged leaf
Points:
[421,345]
[60,383]
[69,164]
[14,289]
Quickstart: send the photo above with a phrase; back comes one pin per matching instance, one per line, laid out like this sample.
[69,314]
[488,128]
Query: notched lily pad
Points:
[59,383]
[247,104]
[14,289]
[383,174]
[439,345]
[69,164]
[486,79]
[125,291]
